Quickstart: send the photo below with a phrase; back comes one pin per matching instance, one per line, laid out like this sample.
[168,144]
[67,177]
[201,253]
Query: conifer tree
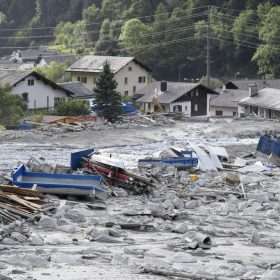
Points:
[108,100]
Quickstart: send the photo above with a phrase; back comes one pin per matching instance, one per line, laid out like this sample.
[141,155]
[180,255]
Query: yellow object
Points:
[194,177]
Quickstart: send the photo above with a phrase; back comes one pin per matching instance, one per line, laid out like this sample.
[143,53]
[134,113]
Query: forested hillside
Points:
[168,35]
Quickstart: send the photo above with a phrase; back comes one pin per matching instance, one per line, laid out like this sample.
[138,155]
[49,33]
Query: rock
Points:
[120,259]
[17,271]
[36,240]
[232,179]
[183,258]
[75,216]
[9,241]
[68,228]
[3,277]
[192,204]
[178,203]
[101,236]
[181,228]
[120,192]
[47,223]
[18,237]
[271,275]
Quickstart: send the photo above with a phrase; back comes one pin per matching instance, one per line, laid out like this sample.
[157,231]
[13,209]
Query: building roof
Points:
[12,78]
[268,98]
[229,98]
[244,84]
[174,91]
[78,89]
[94,63]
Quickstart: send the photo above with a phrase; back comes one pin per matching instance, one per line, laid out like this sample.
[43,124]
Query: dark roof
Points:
[229,98]
[12,78]
[244,84]
[174,91]
[268,98]
[95,63]
[78,89]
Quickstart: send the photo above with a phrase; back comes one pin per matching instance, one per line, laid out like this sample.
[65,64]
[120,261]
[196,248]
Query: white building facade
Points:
[130,75]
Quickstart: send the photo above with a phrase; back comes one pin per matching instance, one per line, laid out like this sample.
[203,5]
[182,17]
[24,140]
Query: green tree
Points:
[71,37]
[108,100]
[12,108]
[54,71]
[134,34]
[107,44]
[267,55]
[73,108]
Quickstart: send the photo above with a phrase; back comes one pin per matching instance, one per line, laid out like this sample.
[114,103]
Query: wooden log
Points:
[184,275]
[19,191]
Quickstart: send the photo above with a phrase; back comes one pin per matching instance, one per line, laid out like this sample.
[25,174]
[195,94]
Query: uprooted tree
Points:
[12,108]
[108,100]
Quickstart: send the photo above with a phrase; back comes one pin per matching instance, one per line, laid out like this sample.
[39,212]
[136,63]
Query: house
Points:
[264,103]
[191,99]
[37,91]
[226,104]
[28,59]
[244,84]
[130,74]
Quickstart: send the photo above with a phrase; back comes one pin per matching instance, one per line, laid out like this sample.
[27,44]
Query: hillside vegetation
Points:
[168,35]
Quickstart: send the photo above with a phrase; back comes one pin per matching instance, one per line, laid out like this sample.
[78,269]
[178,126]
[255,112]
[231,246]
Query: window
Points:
[78,78]
[48,101]
[196,93]
[25,97]
[134,89]
[84,80]
[94,80]
[30,82]
[125,80]
[58,100]
[234,114]
[196,107]
[219,113]
[142,80]
[129,68]
[126,93]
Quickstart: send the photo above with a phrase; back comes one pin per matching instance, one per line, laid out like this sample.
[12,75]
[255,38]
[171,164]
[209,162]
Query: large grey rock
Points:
[181,228]
[36,240]
[75,216]
[17,236]
[47,223]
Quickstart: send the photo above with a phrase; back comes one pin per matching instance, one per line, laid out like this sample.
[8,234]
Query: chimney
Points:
[163,86]
[253,90]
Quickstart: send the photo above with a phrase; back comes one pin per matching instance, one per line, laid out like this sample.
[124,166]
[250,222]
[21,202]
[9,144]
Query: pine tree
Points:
[108,100]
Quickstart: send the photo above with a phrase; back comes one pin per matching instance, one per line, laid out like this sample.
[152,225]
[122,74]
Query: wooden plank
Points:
[19,191]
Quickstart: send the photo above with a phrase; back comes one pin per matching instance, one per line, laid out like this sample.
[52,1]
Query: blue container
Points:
[77,158]
[63,184]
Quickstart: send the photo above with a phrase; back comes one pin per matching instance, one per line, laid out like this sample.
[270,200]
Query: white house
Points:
[130,74]
[226,104]
[264,103]
[37,91]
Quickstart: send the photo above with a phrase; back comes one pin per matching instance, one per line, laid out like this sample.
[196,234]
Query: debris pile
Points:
[17,204]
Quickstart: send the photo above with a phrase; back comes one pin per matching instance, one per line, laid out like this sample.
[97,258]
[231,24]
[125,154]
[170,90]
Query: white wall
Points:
[132,78]
[227,112]
[38,94]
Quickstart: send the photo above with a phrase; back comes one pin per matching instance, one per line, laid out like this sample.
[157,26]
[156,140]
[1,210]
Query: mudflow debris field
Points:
[211,229]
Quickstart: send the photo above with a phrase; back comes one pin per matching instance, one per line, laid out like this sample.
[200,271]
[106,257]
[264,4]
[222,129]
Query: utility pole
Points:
[208,58]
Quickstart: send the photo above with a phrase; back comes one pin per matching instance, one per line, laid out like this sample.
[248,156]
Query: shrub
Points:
[73,108]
